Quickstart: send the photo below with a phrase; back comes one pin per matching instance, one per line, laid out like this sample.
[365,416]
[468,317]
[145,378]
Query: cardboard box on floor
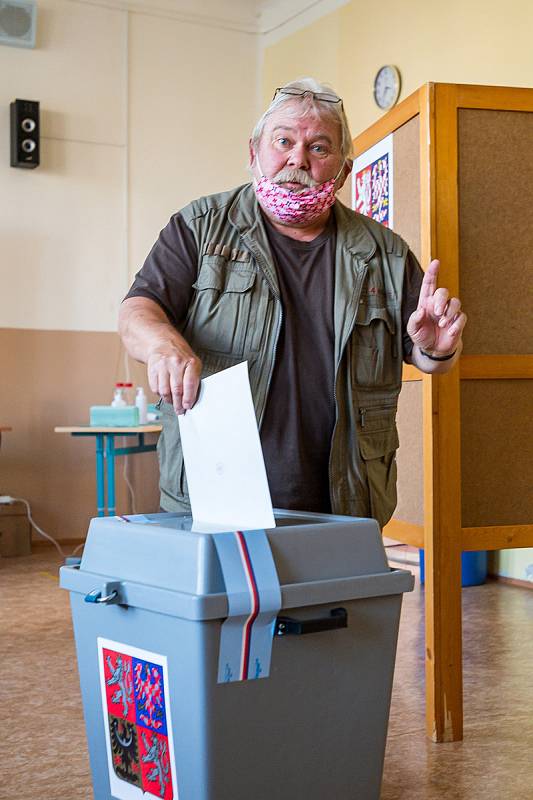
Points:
[15,530]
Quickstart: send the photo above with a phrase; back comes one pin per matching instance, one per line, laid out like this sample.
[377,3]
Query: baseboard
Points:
[512,581]
[42,544]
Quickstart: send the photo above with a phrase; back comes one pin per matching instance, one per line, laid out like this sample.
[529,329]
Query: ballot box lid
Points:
[319,558]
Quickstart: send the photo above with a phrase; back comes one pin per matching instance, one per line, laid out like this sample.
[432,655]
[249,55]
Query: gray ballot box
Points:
[148,605]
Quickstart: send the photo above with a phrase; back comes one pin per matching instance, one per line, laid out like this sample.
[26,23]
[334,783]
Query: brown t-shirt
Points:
[300,412]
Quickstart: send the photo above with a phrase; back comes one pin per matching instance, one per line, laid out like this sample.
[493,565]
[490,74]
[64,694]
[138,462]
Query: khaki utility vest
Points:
[236,315]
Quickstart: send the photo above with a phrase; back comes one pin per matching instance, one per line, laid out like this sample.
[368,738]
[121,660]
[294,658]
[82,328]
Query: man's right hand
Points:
[173,369]
[175,375]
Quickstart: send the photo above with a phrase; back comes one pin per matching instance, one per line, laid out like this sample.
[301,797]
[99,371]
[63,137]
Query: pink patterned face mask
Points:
[295,207]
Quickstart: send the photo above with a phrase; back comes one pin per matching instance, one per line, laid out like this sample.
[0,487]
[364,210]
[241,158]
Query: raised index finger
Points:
[429,283]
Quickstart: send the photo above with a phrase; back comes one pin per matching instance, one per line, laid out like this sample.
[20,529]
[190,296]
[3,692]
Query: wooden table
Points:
[105,448]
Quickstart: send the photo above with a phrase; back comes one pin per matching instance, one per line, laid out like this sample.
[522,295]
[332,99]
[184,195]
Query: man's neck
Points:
[302,233]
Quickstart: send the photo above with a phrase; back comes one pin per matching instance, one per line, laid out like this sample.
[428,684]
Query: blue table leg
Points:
[110,455]
[100,483]
[108,451]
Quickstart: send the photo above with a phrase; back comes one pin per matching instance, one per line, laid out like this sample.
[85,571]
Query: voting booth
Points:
[449,169]
[198,687]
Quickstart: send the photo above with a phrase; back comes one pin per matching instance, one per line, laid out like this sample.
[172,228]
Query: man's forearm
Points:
[432,367]
[145,329]
[173,369]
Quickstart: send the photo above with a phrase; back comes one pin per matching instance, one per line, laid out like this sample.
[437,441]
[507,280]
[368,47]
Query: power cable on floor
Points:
[125,470]
[127,481]
[7,499]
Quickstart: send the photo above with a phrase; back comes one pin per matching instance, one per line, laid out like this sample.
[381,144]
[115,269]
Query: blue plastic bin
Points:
[473,567]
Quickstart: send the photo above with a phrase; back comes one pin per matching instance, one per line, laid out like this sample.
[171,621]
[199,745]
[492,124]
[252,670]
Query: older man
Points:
[323,303]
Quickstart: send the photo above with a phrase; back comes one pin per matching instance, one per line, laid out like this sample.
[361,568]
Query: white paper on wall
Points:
[373,182]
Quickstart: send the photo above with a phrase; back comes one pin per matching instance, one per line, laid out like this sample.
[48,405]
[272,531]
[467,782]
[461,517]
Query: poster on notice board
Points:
[373,183]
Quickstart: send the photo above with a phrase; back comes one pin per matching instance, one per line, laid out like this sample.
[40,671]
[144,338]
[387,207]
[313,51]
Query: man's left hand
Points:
[437,324]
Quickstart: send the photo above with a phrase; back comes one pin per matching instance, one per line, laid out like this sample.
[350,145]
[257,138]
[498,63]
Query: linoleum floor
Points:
[43,752]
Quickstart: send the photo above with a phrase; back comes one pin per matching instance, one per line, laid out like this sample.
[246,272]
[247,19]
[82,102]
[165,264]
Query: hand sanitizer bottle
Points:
[118,400]
[142,405]
[129,396]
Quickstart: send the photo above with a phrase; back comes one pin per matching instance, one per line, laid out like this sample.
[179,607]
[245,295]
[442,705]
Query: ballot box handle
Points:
[106,594]
[289,626]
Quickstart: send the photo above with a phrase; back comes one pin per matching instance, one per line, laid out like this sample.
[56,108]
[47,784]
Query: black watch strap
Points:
[438,358]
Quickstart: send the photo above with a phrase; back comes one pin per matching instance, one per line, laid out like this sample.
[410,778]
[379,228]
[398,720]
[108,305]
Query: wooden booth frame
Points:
[442,535]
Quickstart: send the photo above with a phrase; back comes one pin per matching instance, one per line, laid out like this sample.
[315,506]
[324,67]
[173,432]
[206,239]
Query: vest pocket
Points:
[213,362]
[373,350]
[378,442]
[220,309]
[259,316]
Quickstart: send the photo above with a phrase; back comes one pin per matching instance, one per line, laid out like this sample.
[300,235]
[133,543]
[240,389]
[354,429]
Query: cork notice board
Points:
[410,506]
[496,229]
[406,189]
[497,452]
[407,183]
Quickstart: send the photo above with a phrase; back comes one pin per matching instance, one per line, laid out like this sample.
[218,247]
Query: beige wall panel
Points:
[410,506]
[76,71]
[497,452]
[406,146]
[54,377]
[496,229]
[63,264]
[192,108]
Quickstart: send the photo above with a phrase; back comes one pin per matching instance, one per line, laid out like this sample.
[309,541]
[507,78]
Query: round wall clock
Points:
[387,86]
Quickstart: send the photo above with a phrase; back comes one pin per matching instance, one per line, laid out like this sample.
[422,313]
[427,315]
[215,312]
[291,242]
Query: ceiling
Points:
[250,16]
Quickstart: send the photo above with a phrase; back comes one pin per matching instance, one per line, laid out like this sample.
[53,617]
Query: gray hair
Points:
[309,104]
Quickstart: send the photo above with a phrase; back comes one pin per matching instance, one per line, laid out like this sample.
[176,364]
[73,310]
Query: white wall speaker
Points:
[18,22]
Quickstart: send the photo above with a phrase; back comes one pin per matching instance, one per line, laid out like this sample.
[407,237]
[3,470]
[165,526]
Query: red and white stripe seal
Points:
[254,597]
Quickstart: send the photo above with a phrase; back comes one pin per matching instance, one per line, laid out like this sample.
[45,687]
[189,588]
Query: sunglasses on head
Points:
[294,92]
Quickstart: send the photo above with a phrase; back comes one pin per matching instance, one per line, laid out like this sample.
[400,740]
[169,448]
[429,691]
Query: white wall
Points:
[139,114]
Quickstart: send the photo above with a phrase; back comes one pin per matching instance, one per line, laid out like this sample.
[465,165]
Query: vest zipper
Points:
[357,297]
[364,411]
[280,321]
[274,352]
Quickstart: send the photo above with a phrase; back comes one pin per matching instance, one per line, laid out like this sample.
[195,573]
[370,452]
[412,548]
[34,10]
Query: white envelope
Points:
[226,474]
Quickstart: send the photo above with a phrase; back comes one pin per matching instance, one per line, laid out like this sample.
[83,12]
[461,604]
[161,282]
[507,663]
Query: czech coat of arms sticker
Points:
[138,728]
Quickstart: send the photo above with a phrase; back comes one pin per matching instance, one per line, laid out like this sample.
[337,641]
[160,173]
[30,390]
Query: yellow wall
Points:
[468,41]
